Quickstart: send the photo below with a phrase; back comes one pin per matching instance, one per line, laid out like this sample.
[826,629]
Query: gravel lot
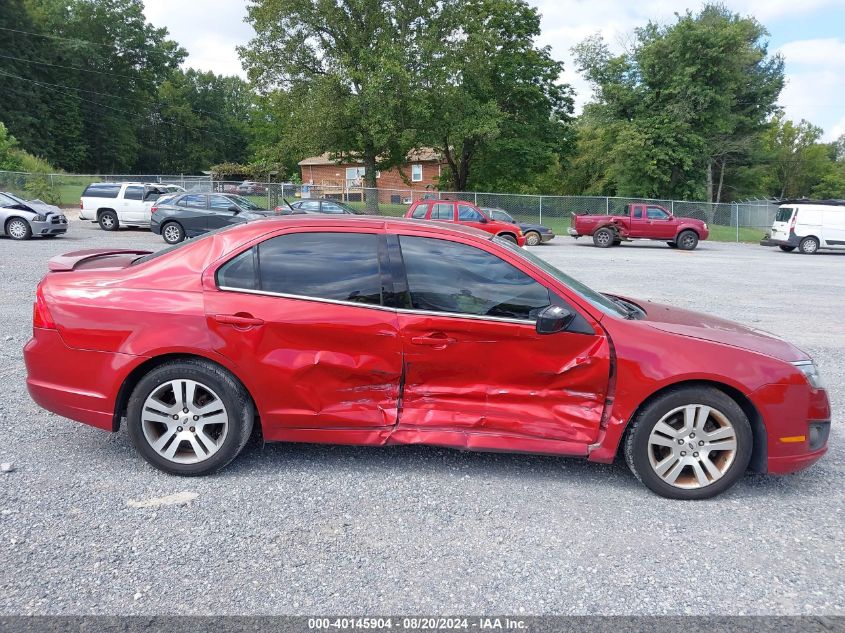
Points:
[337,530]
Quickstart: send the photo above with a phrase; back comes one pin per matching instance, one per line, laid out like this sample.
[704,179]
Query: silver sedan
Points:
[21,219]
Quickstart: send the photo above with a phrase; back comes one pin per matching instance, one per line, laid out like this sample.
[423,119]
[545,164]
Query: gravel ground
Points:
[308,529]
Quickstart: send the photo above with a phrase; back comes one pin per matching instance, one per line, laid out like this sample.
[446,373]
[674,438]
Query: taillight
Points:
[153,209]
[40,314]
[81,206]
[792,222]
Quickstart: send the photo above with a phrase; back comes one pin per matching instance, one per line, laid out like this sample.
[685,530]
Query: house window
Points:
[416,173]
[354,175]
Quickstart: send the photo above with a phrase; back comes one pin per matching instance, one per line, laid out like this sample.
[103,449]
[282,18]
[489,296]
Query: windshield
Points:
[7,199]
[502,216]
[243,203]
[595,299]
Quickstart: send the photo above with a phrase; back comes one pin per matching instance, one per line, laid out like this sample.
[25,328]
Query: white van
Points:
[808,226]
[116,204]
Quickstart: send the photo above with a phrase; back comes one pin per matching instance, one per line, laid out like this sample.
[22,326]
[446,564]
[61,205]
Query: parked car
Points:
[319,205]
[640,222]
[467,214]
[535,234]
[250,188]
[808,225]
[174,189]
[376,331]
[116,204]
[21,219]
[192,214]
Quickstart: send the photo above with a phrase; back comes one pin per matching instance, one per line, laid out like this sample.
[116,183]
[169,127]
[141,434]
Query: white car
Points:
[808,225]
[116,204]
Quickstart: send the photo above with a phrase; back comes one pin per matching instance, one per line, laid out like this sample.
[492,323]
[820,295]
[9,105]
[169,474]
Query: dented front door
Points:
[502,378]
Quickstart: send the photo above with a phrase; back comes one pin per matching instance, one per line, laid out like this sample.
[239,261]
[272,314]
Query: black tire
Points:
[18,229]
[672,245]
[172,232]
[637,449]
[509,237]
[786,249]
[809,245]
[532,238]
[108,220]
[51,235]
[604,238]
[687,240]
[232,394]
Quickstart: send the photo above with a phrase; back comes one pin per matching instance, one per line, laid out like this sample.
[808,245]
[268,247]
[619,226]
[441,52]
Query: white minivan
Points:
[116,204]
[809,226]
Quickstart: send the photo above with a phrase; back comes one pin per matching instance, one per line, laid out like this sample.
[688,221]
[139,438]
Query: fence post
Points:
[475,197]
[673,207]
[737,223]
[607,205]
[541,209]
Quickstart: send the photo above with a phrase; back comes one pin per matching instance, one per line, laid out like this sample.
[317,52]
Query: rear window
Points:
[101,190]
[784,214]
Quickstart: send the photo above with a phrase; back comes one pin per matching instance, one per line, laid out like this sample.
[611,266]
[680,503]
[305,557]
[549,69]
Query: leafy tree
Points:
[9,158]
[686,102]
[352,65]
[798,163]
[495,108]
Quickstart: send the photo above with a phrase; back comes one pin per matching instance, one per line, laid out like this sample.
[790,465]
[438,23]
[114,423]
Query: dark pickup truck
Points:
[640,222]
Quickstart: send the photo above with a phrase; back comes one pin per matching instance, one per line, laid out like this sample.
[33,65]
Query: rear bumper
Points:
[792,240]
[573,232]
[78,384]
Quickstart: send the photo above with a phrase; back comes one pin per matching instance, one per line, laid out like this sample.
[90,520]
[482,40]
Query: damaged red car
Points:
[374,331]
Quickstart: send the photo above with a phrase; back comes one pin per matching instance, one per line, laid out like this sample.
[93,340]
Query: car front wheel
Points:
[18,229]
[509,237]
[532,238]
[189,417]
[173,233]
[689,443]
[687,240]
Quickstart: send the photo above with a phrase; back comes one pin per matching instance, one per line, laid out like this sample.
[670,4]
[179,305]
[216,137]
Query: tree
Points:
[798,162]
[496,111]
[686,103]
[352,64]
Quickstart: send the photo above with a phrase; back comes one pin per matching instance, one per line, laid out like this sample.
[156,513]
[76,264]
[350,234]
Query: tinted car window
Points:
[133,193]
[656,213]
[331,207]
[468,214]
[501,216]
[784,214]
[420,211]
[193,202]
[310,205]
[638,212]
[6,201]
[101,190]
[443,211]
[239,272]
[339,266]
[220,203]
[449,277]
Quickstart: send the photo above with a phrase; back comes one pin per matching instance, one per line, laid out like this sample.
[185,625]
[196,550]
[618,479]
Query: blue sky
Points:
[809,33]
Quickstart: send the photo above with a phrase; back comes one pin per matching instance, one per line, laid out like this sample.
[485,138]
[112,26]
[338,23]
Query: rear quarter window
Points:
[101,190]
[784,214]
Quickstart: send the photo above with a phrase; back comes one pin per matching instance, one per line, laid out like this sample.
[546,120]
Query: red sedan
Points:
[373,331]
[467,214]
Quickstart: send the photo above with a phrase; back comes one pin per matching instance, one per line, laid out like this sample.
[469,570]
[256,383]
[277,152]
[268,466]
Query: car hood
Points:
[41,207]
[527,226]
[690,220]
[710,328]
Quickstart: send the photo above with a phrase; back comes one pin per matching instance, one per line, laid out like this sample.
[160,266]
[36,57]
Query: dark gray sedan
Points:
[191,214]
[535,234]
[21,219]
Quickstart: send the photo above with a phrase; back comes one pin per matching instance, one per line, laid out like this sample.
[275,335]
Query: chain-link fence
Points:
[739,221]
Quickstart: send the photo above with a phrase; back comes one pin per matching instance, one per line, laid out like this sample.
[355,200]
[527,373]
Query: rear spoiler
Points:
[69,261]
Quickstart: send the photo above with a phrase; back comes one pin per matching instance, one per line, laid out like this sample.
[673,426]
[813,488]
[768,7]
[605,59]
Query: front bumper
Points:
[49,226]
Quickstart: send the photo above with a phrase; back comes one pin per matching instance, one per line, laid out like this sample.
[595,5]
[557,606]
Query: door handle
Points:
[238,320]
[433,340]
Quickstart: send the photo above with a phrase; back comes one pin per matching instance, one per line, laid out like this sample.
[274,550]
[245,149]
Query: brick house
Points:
[337,176]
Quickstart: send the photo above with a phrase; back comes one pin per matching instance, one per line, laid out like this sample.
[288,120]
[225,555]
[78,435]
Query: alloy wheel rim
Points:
[107,221]
[184,421]
[604,238]
[810,246]
[533,240]
[692,446]
[171,233]
[17,229]
[688,240]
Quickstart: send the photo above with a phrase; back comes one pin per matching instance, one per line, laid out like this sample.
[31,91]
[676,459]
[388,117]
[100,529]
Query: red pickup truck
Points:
[640,222]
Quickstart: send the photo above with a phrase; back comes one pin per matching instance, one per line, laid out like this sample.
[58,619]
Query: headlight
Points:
[39,218]
[811,373]
[705,226]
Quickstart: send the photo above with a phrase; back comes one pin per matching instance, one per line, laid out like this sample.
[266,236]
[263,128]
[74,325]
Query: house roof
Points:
[422,155]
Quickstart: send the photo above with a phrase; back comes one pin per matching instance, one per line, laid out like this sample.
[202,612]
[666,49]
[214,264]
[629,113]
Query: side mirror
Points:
[234,209]
[483,220]
[553,319]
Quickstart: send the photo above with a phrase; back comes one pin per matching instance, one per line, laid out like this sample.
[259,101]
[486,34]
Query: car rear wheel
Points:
[687,240]
[786,249]
[689,443]
[173,233]
[509,237]
[604,238]
[108,221]
[809,246]
[189,417]
[532,238]
[18,229]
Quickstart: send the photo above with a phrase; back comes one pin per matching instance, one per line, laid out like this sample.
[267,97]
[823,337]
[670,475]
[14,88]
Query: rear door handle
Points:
[238,320]
[433,340]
